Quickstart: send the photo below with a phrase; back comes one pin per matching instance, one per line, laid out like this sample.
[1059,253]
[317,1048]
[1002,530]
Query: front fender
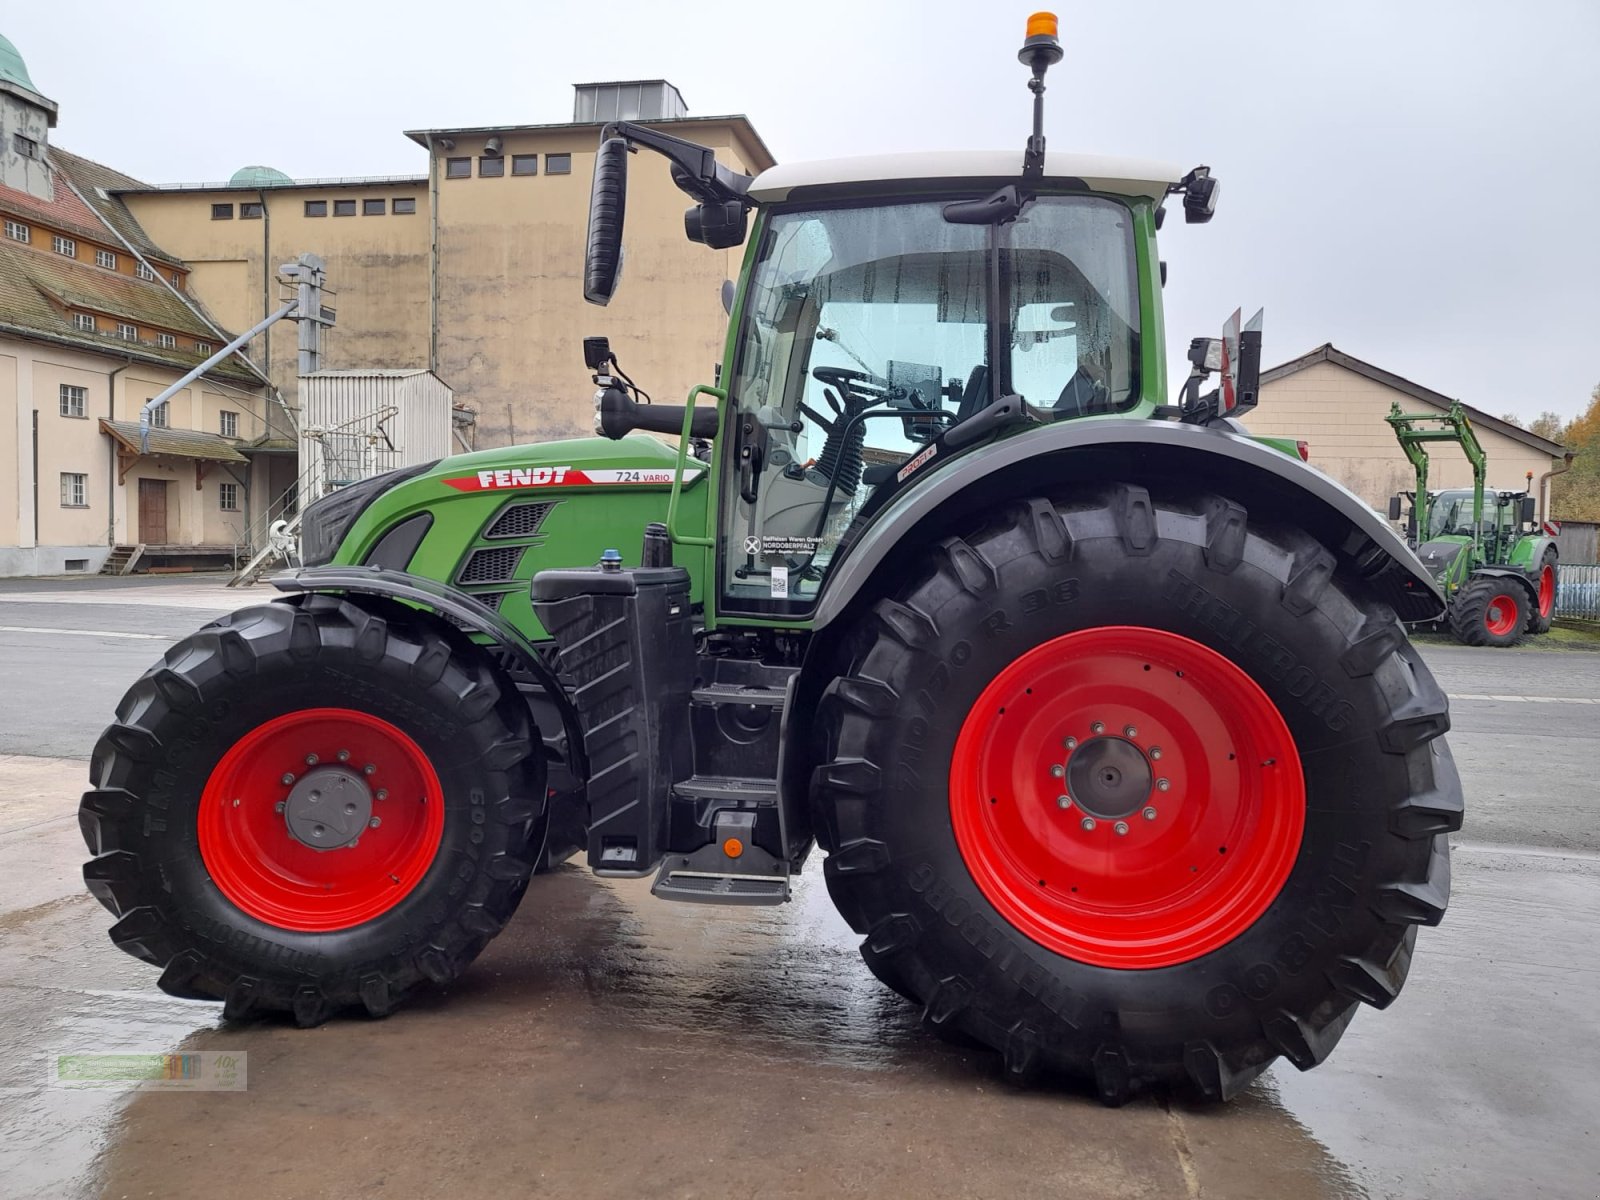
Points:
[1043,461]
[1529,584]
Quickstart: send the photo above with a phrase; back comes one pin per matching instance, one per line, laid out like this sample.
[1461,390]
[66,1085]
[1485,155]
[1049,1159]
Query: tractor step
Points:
[730,869]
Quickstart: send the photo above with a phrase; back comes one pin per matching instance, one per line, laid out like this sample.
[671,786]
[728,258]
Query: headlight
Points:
[325,522]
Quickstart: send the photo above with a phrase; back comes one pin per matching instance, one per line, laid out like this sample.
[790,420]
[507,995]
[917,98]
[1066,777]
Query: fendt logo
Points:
[547,477]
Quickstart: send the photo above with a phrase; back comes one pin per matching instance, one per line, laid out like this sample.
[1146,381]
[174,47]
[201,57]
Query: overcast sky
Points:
[1412,180]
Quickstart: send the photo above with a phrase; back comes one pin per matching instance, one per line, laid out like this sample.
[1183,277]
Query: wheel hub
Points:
[1109,777]
[328,808]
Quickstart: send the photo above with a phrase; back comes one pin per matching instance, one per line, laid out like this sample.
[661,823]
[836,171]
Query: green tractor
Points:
[1491,557]
[1102,712]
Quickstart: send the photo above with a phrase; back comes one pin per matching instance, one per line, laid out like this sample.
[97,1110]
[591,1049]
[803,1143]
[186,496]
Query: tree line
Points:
[1575,494]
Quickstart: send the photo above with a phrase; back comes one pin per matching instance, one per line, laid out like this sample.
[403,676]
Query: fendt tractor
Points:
[1492,557]
[1102,711]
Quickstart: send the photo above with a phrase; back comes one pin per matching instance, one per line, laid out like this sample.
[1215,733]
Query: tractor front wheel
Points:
[1138,789]
[1490,610]
[312,806]
[1545,611]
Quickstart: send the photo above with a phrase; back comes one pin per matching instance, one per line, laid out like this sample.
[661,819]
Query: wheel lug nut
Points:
[343,756]
[236,802]
[1121,827]
[1155,751]
[1149,814]
[279,806]
[369,769]
[1063,801]
[1098,727]
[1058,770]
[1130,731]
[312,760]
[288,778]
[1088,824]
[375,822]
[1162,785]
[1070,743]
[383,793]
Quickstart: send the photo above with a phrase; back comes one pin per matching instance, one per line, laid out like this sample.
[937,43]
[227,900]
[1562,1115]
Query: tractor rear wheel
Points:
[1489,610]
[312,806]
[1545,611]
[1137,789]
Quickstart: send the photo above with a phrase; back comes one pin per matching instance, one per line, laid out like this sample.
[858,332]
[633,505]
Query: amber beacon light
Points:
[1041,45]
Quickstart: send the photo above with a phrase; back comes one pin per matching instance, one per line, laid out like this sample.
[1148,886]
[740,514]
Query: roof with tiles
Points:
[97,183]
[39,289]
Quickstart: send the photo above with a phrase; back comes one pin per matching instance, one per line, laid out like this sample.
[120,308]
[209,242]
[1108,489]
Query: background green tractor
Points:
[1488,552]
[1102,712]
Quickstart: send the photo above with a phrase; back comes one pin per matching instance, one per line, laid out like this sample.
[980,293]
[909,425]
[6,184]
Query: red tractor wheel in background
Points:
[313,806]
[1544,613]
[1139,789]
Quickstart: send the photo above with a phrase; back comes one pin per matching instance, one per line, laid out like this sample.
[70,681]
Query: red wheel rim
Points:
[1547,590]
[1136,890]
[258,862]
[1500,618]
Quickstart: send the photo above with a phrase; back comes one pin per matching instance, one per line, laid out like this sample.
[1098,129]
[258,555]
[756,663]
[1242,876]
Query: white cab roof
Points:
[1121,176]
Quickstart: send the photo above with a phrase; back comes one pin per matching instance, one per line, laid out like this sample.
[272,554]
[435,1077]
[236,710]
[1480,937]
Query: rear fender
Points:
[1048,460]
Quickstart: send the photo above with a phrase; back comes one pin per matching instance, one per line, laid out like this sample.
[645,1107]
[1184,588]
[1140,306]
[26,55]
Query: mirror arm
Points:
[696,170]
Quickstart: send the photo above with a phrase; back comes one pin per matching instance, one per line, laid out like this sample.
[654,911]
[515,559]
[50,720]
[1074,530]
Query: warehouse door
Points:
[153,512]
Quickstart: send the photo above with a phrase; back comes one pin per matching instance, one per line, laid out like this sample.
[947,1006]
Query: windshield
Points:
[1450,513]
[867,332]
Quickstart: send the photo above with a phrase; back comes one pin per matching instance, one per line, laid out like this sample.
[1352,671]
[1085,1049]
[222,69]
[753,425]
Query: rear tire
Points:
[1489,611]
[1544,611]
[189,822]
[1377,792]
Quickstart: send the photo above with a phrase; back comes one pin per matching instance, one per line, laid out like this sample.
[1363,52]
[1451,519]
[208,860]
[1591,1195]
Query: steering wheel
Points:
[856,390]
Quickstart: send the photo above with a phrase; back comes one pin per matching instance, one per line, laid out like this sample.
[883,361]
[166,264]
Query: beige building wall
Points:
[377,267]
[31,377]
[1341,414]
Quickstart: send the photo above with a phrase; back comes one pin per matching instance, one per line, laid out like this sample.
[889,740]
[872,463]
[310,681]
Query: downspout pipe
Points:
[433,258]
[111,464]
[155,401]
[1544,482]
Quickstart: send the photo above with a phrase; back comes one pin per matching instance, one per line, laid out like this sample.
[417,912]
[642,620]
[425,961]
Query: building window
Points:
[161,414]
[128,333]
[64,245]
[316,208]
[106,259]
[524,164]
[18,232]
[229,492]
[344,208]
[166,341]
[558,164]
[83,321]
[491,168]
[204,349]
[75,564]
[458,168]
[250,210]
[230,423]
[74,400]
[26,146]
[143,271]
[177,281]
[404,206]
[222,212]
[372,208]
[74,490]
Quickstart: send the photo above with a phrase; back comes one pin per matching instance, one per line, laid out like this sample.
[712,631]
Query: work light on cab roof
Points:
[1095,704]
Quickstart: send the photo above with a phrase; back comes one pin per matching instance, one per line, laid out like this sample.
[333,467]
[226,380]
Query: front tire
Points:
[1298,731]
[1489,611]
[313,806]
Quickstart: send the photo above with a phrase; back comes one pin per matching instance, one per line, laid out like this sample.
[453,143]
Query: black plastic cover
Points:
[626,641]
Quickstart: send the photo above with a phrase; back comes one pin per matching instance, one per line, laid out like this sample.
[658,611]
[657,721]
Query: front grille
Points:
[519,520]
[492,564]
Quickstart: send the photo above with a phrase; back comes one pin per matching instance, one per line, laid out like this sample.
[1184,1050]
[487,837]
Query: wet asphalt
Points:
[608,1043]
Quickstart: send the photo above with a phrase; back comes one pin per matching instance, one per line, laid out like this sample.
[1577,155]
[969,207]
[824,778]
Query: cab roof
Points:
[1119,176]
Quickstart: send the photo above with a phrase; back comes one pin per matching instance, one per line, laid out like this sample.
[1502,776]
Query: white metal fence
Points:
[1578,591]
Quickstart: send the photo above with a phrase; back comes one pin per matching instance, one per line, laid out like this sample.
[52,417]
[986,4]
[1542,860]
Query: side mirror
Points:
[728,292]
[1394,508]
[1530,509]
[608,198]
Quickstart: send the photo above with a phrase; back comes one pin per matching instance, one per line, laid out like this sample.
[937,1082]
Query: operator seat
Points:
[1081,397]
